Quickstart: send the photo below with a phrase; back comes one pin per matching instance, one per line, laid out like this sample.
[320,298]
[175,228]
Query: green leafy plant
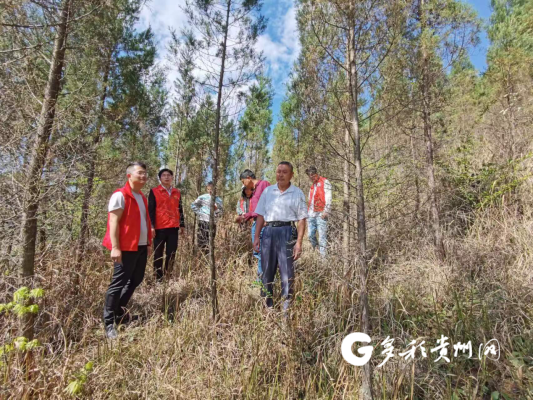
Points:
[76,385]
[21,298]
[19,344]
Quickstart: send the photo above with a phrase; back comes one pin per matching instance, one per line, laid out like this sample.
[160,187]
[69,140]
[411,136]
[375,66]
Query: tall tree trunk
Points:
[346,205]
[42,235]
[427,129]
[177,171]
[214,301]
[38,157]
[84,227]
[416,177]
[365,326]
[40,146]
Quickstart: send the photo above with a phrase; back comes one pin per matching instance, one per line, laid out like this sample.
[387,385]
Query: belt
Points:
[278,223]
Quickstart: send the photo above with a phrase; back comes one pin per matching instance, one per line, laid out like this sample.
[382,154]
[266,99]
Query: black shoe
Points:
[111,333]
[127,318]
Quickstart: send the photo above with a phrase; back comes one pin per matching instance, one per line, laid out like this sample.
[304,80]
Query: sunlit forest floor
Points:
[482,291]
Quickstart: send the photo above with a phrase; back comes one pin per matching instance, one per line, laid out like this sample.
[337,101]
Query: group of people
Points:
[277,214]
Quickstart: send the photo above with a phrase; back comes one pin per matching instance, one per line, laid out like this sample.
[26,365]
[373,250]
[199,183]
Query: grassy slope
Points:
[483,291]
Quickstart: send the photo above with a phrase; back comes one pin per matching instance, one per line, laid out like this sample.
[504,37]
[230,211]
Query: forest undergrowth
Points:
[482,291]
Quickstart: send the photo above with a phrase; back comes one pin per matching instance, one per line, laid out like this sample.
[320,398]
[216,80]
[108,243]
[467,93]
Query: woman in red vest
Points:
[127,237]
[320,202]
[167,217]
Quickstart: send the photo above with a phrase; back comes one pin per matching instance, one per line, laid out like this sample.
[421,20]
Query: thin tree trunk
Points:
[346,205]
[40,146]
[38,156]
[427,129]
[365,326]
[416,178]
[42,235]
[84,227]
[214,301]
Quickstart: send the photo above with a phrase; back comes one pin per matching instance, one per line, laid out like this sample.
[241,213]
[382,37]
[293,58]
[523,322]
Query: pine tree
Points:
[227,32]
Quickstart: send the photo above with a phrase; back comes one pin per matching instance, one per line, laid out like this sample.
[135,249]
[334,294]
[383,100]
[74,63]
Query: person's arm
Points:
[195,205]
[114,218]
[238,207]
[259,223]
[297,249]
[327,198]
[239,212]
[152,211]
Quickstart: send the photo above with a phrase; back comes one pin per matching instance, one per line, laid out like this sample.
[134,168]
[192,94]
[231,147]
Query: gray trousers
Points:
[277,250]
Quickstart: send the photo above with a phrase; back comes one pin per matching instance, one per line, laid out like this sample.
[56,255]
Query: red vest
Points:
[167,207]
[319,201]
[130,222]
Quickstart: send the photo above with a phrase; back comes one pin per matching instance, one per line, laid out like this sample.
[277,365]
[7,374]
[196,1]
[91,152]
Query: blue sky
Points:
[279,43]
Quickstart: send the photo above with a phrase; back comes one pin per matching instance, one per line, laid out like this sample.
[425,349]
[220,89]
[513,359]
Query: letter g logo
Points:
[346,349]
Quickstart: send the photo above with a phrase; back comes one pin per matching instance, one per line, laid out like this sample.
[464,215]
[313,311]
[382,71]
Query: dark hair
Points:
[286,164]
[311,170]
[209,184]
[247,174]
[163,170]
[129,168]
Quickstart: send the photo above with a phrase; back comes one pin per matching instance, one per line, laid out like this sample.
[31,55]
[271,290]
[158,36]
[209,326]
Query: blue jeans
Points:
[318,224]
[257,255]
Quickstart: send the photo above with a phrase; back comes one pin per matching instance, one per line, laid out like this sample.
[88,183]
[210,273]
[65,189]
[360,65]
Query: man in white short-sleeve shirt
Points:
[128,240]
[279,207]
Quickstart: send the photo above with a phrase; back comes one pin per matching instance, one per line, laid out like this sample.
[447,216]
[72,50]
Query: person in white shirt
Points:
[320,202]
[279,207]
[128,240]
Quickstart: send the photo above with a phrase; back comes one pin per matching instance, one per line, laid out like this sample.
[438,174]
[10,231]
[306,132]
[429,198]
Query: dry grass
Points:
[483,291]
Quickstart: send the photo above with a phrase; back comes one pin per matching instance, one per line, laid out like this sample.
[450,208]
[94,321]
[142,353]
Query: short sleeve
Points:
[116,202]
[260,207]
[302,209]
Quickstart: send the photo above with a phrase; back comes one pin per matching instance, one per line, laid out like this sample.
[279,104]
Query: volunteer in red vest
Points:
[127,237]
[167,217]
[320,201]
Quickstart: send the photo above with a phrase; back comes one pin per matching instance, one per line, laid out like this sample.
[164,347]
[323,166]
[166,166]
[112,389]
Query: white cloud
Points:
[280,53]
[161,16]
[280,44]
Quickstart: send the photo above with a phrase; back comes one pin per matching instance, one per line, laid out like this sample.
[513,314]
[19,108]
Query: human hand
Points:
[257,244]
[116,255]
[153,231]
[297,250]
[324,215]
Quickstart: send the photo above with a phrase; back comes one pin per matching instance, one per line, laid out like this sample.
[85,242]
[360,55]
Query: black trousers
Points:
[203,235]
[127,276]
[165,238]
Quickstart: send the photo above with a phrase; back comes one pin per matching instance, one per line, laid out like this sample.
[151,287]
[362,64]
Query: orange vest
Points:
[167,207]
[130,222]
[319,201]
